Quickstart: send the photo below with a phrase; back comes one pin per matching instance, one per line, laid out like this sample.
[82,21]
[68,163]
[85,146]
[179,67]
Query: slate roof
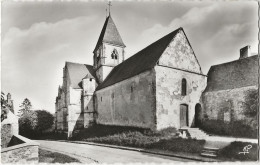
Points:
[140,62]
[77,72]
[109,34]
[235,74]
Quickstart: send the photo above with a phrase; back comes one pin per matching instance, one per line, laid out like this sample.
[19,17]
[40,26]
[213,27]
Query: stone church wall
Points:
[128,103]
[169,98]
[227,105]
[75,117]
[179,54]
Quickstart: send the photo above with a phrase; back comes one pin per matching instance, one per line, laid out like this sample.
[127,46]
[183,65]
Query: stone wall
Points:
[128,103]
[22,155]
[179,54]
[169,98]
[6,134]
[226,105]
[22,150]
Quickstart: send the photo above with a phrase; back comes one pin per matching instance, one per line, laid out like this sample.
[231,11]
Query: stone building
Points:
[232,89]
[158,87]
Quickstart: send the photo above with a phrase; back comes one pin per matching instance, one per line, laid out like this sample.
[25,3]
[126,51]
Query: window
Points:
[101,99]
[90,79]
[183,87]
[132,89]
[114,54]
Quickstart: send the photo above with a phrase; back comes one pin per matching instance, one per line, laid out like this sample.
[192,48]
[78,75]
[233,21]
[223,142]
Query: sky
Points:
[38,37]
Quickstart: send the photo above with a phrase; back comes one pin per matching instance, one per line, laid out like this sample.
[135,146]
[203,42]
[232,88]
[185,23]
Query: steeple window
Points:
[114,54]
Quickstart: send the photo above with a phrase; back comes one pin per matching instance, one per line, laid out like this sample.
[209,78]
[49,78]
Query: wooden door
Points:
[183,115]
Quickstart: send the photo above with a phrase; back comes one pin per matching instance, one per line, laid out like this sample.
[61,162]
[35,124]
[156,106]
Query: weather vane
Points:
[109,5]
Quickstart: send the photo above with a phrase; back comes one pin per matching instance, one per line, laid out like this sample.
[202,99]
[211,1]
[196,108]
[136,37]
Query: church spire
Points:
[109,34]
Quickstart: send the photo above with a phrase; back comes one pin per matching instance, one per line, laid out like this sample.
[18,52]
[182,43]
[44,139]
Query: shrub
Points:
[179,145]
[33,123]
[234,150]
[236,128]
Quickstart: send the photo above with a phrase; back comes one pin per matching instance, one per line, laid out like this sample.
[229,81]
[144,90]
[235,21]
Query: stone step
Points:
[208,155]
[211,148]
[209,151]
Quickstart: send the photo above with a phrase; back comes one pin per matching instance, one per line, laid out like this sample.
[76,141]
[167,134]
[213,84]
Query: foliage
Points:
[179,145]
[45,120]
[232,151]
[250,107]
[142,138]
[5,107]
[235,128]
[33,123]
[132,139]
[105,130]
[52,136]
[25,107]
[54,157]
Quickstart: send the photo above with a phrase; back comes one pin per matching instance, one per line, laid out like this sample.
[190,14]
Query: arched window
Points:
[114,54]
[132,89]
[183,87]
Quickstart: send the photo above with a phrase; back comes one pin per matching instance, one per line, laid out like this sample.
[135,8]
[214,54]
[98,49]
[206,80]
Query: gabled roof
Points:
[77,72]
[140,62]
[109,34]
[235,74]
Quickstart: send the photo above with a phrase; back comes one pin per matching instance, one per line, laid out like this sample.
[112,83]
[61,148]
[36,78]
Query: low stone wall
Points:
[22,153]
[6,134]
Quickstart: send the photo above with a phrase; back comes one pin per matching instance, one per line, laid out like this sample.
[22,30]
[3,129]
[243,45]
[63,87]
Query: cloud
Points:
[216,32]
[32,59]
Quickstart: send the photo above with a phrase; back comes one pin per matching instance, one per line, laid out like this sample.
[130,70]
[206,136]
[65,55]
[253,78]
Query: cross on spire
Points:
[109,4]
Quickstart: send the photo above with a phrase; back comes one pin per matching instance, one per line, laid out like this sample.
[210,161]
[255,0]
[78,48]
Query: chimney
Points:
[245,52]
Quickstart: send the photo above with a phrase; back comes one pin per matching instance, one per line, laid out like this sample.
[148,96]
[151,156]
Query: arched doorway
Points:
[197,115]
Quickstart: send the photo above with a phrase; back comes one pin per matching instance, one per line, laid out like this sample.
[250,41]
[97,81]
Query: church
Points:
[160,86]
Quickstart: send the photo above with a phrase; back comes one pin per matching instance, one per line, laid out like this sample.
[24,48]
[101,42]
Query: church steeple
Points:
[109,50]
[109,34]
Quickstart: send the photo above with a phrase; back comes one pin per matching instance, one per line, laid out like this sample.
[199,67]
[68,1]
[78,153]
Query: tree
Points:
[25,107]
[5,107]
[251,107]
[33,123]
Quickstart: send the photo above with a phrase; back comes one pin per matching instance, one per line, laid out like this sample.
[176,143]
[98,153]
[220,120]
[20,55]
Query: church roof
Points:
[235,74]
[140,62]
[77,72]
[109,34]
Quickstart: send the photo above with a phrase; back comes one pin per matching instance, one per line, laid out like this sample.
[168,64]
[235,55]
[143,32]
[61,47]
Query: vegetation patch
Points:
[242,151]
[179,145]
[51,136]
[165,139]
[54,157]
[235,128]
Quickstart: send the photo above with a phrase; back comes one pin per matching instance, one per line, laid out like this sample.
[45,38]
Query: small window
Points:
[183,87]
[132,89]
[90,79]
[114,54]
[101,99]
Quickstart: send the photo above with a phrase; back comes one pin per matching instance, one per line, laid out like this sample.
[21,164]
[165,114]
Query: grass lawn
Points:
[54,157]
[235,151]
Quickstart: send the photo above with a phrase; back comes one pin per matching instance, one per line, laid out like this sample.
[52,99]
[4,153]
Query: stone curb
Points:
[142,150]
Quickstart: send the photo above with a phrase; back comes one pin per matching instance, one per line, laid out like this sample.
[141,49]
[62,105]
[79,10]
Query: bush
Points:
[142,138]
[234,150]
[33,123]
[179,145]
[236,128]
